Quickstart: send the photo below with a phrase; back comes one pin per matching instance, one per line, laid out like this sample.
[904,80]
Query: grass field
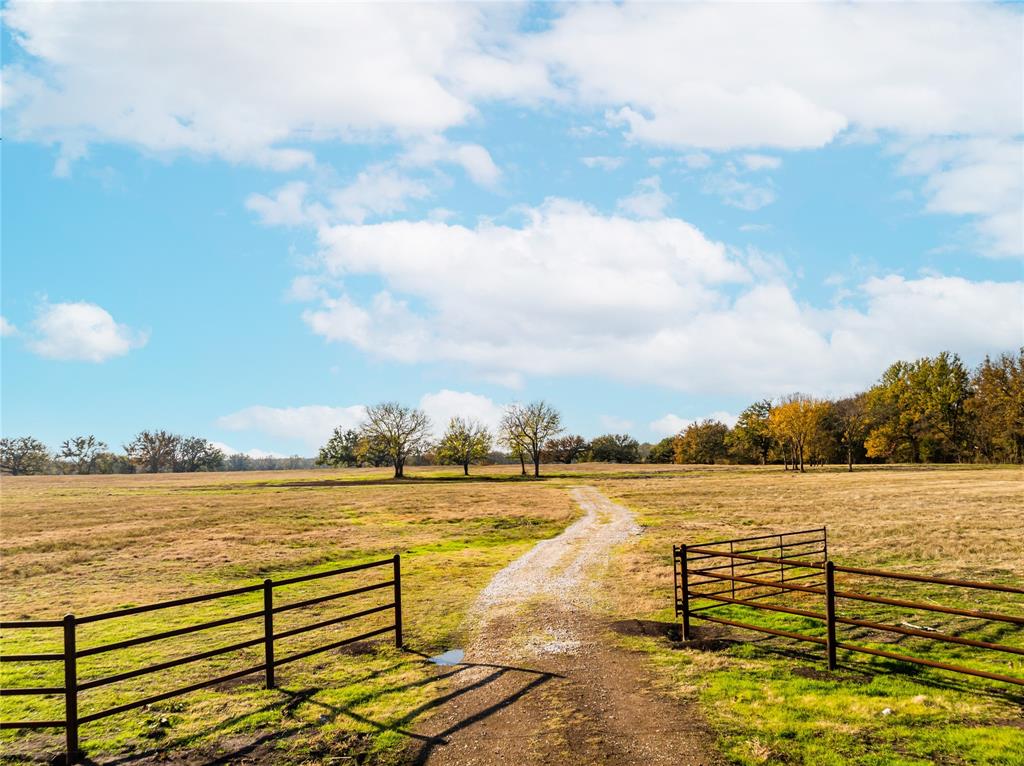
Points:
[771,699]
[87,544]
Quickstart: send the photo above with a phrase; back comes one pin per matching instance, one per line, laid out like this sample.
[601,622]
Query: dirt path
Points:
[541,683]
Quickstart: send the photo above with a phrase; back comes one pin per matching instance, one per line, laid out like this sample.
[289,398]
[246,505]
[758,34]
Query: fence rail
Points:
[71,653]
[775,578]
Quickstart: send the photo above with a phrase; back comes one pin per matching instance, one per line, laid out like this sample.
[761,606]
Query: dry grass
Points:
[87,544]
[769,698]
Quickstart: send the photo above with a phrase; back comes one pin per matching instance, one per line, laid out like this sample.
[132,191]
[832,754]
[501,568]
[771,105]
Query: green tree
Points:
[396,430]
[702,442]
[567,449]
[23,455]
[193,453]
[342,449]
[663,451]
[997,408]
[849,418]
[751,439]
[615,448]
[464,442]
[153,451]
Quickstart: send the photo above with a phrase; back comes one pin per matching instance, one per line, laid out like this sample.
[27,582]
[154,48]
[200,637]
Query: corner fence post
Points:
[830,612]
[398,600]
[268,631]
[70,691]
[686,592]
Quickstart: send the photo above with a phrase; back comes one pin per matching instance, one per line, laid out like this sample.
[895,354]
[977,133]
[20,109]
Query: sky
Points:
[249,221]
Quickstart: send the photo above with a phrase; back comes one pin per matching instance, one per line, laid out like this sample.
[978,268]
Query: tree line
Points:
[933,409]
[148,452]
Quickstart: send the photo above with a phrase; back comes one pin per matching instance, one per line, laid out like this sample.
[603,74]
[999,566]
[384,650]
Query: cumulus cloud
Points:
[983,177]
[671,424]
[472,158]
[647,200]
[6,328]
[603,162]
[312,425]
[615,423]
[760,162]
[574,292]
[253,453]
[349,71]
[81,332]
[443,405]
[375,192]
[684,76]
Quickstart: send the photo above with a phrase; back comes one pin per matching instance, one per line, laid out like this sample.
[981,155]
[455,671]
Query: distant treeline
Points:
[148,452]
[929,410]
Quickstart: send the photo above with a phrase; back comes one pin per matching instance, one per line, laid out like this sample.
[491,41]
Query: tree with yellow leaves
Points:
[794,422]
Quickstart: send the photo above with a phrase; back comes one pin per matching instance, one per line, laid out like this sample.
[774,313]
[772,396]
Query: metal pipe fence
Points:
[803,555]
[74,686]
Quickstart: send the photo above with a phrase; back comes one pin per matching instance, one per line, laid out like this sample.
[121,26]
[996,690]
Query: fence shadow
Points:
[295,700]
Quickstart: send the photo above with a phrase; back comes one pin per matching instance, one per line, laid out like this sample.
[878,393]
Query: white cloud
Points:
[723,77]
[473,158]
[647,200]
[603,162]
[443,405]
[671,424]
[760,162]
[615,424]
[636,300]
[375,192]
[178,77]
[734,192]
[311,424]
[81,332]
[982,177]
[285,208]
[6,328]
[173,77]
[253,453]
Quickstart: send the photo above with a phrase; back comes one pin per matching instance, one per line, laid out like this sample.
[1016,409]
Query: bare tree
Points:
[399,431]
[529,427]
[81,452]
[153,451]
[23,455]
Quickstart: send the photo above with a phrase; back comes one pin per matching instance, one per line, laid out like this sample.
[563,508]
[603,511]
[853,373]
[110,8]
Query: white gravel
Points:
[559,570]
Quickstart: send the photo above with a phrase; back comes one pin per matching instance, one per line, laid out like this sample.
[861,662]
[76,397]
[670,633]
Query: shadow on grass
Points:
[814,666]
[261,748]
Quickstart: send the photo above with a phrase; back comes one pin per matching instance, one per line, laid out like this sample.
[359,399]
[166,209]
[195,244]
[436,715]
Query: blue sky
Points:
[645,214]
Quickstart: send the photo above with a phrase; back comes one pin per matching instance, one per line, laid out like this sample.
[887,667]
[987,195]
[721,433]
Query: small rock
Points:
[887,711]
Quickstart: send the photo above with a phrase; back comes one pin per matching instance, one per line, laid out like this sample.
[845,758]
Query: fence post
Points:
[70,691]
[268,630]
[686,593]
[398,600]
[830,612]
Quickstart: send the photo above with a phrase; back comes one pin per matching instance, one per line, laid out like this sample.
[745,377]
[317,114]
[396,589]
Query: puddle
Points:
[451,657]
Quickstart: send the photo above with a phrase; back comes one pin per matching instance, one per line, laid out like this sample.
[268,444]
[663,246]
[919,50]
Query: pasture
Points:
[94,543]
